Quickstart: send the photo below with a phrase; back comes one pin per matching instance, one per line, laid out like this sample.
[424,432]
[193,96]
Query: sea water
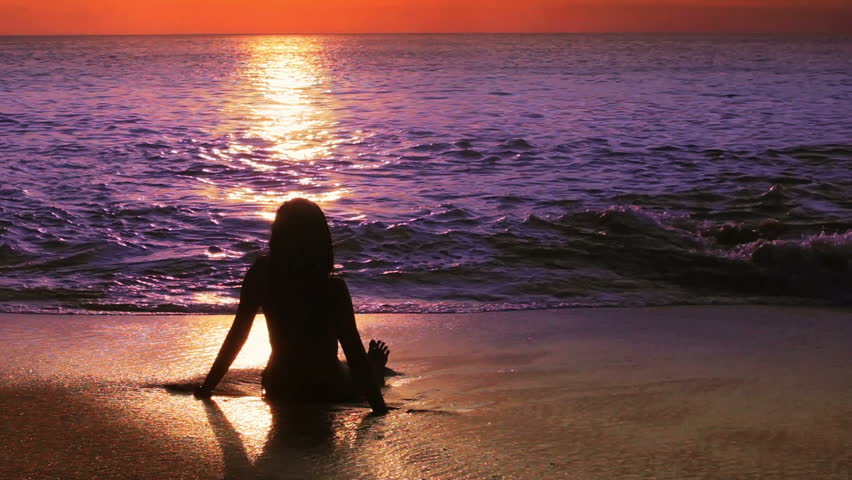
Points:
[459,172]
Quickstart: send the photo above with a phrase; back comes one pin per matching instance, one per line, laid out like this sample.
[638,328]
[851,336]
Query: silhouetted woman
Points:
[308,310]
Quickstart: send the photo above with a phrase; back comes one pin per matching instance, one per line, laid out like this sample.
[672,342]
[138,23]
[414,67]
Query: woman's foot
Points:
[378,356]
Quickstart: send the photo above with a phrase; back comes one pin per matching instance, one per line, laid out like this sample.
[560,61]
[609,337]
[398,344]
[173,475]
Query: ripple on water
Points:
[512,186]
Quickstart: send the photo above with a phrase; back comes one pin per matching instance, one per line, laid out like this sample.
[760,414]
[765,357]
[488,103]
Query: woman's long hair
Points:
[300,247]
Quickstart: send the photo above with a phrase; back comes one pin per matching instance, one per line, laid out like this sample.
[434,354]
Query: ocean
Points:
[459,172]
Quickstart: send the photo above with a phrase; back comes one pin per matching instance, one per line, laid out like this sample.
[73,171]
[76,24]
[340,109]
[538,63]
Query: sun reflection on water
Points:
[269,200]
[291,120]
[291,117]
[213,298]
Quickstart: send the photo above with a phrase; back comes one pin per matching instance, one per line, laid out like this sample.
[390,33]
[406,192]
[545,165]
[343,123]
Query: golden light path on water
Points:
[290,123]
[288,72]
[291,127]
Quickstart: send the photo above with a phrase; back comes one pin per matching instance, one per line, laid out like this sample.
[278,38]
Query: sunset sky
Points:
[21,17]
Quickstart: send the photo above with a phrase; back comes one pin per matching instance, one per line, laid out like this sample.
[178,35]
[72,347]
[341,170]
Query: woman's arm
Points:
[356,356]
[247,310]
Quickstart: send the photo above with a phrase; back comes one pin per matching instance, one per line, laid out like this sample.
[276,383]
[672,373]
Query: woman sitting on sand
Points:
[308,310]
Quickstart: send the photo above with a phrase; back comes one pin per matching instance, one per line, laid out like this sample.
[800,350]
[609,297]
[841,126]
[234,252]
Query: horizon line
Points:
[602,32]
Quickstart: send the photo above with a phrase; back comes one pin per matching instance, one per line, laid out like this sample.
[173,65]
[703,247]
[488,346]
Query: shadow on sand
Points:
[304,441]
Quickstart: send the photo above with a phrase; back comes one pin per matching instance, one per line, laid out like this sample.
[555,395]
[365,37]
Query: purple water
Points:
[460,172]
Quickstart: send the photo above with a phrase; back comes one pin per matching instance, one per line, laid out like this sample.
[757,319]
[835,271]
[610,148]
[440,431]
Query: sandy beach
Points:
[674,393]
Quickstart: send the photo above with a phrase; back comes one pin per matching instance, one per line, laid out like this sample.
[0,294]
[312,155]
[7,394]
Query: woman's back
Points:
[302,317]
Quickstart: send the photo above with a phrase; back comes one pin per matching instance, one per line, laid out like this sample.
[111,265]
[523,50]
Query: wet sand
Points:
[677,392]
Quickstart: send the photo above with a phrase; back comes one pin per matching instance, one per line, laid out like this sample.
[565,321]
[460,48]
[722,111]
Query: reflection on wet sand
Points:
[301,441]
[598,394]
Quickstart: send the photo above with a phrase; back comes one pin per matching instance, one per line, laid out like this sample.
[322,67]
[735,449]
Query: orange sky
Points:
[313,16]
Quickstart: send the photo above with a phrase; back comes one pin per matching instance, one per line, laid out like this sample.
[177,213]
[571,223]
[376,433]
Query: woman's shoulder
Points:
[336,281]
[337,286]
[261,262]
[259,267]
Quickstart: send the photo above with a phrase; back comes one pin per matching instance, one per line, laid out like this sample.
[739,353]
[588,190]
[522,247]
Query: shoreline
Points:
[793,303]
